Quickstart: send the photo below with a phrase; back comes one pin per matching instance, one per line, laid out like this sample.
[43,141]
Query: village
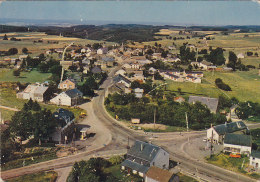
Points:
[138,93]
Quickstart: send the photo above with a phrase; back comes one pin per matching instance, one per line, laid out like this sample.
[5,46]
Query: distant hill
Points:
[117,32]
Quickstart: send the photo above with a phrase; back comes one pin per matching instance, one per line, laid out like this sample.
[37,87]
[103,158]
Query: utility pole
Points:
[187,122]
[154,118]
[211,146]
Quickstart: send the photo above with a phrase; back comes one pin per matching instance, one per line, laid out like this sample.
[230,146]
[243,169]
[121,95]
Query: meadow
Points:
[245,85]
[6,75]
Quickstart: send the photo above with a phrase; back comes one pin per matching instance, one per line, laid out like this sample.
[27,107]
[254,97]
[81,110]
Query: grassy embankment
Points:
[233,164]
[49,176]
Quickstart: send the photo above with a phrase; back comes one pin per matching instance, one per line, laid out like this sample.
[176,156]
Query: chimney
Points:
[142,147]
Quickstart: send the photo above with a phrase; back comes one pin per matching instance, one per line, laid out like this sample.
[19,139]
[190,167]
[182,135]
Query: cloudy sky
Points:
[163,12]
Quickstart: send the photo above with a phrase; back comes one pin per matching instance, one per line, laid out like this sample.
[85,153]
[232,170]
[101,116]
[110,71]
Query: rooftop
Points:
[211,103]
[230,127]
[238,139]
[158,174]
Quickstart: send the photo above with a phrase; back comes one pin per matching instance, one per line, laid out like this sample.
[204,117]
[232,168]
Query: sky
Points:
[139,12]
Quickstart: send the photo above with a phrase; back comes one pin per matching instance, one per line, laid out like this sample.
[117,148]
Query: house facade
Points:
[255,160]
[34,92]
[237,143]
[68,98]
[216,134]
[67,84]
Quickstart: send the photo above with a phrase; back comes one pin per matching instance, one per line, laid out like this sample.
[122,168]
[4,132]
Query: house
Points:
[102,50]
[34,92]
[96,70]
[217,133]
[139,92]
[117,88]
[204,64]
[86,61]
[65,127]
[211,103]
[179,99]
[121,79]
[127,66]
[193,79]
[197,74]
[240,56]
[255,159]
[173,77]
[156,174]
[108,61]
[141,156]
[68,98]
[67,84]
[152,70]
[237,143]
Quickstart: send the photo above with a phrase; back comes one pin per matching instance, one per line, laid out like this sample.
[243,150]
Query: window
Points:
[64,85]
[253,158]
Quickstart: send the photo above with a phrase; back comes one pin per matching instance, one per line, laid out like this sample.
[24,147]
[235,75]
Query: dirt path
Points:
[9,108]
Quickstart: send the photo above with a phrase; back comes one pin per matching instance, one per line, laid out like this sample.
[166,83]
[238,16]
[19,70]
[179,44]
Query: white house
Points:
[102,50]
[240,56]
[34,92]
[68,98]
[217,133]
[121,72]
[237,143]
[255,159]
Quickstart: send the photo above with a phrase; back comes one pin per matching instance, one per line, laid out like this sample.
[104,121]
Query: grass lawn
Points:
[122,176]
[168,129]
[6,75]
[245,85]
[6,114]
[48,176]
[232,164]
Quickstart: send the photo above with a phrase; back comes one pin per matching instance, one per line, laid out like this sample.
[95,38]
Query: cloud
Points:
[256,1]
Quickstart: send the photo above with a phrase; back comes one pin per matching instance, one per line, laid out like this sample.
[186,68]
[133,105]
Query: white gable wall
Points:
[215,137]
[161,160]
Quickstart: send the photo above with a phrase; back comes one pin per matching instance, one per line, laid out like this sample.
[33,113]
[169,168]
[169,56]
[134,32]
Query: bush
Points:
[221,85]
[115,160]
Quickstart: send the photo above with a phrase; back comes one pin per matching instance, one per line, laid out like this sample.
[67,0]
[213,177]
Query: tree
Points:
[56,70]
[43,67]
[44,124]
[221,85]
[249,53]
[25,50]
[5,37]
[16,73]
[21,124]
[12,51]
[179,91]
[232,60]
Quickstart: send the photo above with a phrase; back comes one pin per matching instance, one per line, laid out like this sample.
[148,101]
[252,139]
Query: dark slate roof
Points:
[211,103]
[194,72]
[148,152]
[255,154]
[96,69]
[108,59]
[64,115]
[238,139]
[73,93]
[135,166]
[119,77]
[230,127]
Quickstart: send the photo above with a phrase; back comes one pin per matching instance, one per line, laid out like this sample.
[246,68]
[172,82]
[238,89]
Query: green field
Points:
[6,75]
[27,39]
[49,176]
[245,85]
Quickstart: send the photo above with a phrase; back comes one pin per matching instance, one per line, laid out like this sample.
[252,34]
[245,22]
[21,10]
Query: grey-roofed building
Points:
[255,159]
[109,61]
[121,79]
[141,156]
[34,92]
[96,69]
[217,133]
[237,143]
[65,127]
[68,98]
[211,103]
